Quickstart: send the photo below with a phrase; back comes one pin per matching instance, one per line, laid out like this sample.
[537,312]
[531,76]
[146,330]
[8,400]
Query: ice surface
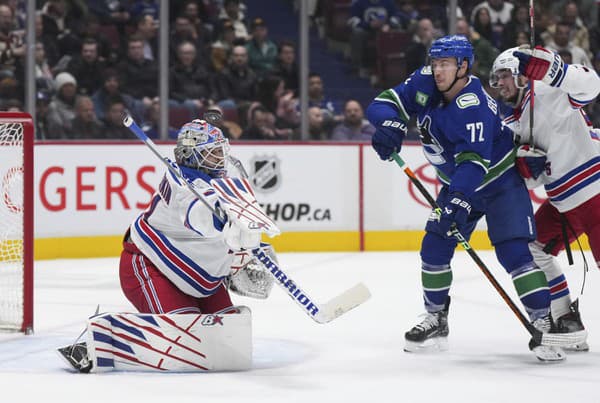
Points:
[356,358]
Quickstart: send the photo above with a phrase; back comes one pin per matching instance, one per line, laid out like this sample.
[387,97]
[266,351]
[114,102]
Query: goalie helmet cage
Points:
[16,222]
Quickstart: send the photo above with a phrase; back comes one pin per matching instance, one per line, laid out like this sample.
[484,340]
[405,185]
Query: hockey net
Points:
[16,222]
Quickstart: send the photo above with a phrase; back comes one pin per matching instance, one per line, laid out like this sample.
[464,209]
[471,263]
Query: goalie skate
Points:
[571,323]
[542,352]
[429,335]
[76,356]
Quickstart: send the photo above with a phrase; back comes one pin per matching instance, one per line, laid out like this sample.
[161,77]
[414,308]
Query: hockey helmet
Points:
[508,63]
[202,146]
[505,61]
[457,46]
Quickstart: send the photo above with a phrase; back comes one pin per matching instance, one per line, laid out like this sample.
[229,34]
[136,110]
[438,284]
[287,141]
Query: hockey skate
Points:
[542,352]
[429,335]
[76,355]
[570,323]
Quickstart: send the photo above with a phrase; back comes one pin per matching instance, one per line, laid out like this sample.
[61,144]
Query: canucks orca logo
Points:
[431,146]
[265,173]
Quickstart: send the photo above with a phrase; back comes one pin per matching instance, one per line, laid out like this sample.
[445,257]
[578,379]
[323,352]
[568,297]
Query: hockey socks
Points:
[436,280]
[532,288]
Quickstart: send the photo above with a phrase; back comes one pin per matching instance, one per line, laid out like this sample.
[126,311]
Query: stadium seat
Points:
[111,33]
[393,70]
[178,116]
[231,114]
[390,57]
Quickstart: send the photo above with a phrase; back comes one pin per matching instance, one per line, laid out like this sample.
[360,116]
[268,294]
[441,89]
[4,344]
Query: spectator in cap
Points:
[262,52]
[61,110]
[42,100]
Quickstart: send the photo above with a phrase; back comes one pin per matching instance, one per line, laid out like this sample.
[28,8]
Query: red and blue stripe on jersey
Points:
[176,261]
[574,180]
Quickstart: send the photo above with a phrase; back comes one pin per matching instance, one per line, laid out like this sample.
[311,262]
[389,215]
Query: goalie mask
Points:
[202,146]
[505,65]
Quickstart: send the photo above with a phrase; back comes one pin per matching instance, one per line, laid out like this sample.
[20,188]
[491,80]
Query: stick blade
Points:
[344,302]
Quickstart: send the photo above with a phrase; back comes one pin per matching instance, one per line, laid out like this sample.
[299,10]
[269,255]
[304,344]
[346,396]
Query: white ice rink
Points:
[356,358]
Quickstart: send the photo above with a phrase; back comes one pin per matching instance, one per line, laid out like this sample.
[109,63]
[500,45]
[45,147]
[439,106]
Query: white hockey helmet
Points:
[505,61]
[202,146]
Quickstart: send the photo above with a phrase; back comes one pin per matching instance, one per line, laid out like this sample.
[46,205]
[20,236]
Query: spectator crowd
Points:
[97,59]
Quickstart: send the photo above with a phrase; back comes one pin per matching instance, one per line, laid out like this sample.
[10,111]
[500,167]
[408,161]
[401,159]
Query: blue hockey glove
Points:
[455,212]
[530,163]
[388,138]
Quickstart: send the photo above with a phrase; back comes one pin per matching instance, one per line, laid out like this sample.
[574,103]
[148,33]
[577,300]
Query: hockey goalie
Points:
[179,262]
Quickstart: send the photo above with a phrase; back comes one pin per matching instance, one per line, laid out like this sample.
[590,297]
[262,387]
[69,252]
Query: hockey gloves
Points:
[530,163]
[456,211]
[541,64]
[388,138]
[238,236]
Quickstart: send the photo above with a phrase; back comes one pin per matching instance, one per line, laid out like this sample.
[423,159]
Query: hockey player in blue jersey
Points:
[473,154]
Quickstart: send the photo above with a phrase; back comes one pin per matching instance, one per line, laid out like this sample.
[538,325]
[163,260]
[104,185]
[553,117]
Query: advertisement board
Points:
[322,196]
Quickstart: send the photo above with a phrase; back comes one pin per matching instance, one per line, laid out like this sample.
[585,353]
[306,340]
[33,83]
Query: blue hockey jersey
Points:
[465,140]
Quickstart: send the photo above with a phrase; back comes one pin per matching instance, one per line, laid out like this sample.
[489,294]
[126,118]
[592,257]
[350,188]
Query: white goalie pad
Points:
[178,342]
[237,199]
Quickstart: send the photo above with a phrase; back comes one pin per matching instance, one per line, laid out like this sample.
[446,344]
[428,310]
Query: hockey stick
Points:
[548,339]
[320,313]
[532,91]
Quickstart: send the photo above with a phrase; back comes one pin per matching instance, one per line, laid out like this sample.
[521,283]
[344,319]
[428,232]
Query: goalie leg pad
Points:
[182,343]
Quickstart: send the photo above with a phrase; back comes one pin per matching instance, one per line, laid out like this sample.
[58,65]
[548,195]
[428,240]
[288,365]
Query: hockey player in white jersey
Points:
[177,256]
[561,152]
[178,264]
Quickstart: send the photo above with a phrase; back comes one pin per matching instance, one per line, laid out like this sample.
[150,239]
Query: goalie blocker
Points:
[179,342]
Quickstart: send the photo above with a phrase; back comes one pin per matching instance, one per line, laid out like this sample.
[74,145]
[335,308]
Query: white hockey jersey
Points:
[564,132]
[182,237]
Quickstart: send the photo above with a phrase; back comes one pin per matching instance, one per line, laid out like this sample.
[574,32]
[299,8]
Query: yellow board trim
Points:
[343,241]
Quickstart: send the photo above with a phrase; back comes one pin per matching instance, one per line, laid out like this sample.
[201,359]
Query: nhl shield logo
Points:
[266,176]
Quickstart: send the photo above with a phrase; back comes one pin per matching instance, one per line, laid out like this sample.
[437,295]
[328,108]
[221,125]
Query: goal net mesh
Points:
[11,225]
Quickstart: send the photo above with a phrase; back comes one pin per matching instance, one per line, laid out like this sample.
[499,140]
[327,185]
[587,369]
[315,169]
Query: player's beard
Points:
[511,99]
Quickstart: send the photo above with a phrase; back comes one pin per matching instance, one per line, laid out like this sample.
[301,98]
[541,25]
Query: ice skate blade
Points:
[436,344]
[577,348]
[66,354]
[549,355]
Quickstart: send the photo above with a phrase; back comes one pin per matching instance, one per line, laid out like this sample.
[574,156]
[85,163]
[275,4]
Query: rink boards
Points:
[323,196]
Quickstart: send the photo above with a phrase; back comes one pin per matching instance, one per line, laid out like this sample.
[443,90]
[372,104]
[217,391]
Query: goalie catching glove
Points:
[541,64]
[253,279]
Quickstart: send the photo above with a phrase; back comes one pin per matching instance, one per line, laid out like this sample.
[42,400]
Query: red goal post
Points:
[16,221]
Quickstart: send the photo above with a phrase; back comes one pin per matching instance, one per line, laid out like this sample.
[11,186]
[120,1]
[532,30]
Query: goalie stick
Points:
[320,313]
[547,339]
